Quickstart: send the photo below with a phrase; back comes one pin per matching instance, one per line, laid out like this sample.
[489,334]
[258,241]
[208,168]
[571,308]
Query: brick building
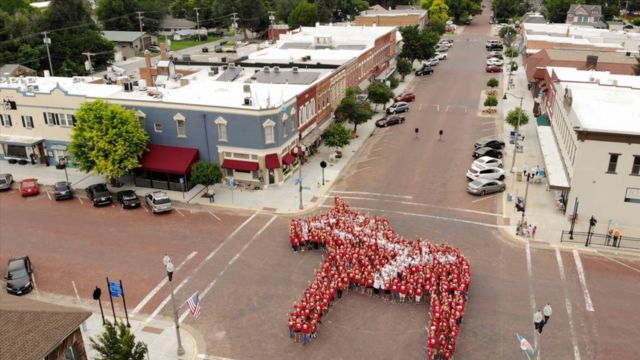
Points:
[397,17]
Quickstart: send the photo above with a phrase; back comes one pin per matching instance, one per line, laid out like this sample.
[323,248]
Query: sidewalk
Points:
[281,198]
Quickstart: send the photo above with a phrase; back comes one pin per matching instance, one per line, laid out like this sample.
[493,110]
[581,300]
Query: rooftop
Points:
[122,36]
[394,12]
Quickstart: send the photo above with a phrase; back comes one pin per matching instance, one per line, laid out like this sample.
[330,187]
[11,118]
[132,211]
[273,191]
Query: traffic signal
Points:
[593,221]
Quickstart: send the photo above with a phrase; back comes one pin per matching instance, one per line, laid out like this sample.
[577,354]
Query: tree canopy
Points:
[122,14]
[636,67]
[461,9]
[304,14]
[491,101]
[354,111]
[404,67]
[418,44]
[336,136]
[492,83]
[513,115]
[379,93]
[206,173]
[438,16]
[556,10]
[506,9]
[118,343]
[107,139]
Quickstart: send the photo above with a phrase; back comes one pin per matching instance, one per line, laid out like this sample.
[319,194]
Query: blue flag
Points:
[115,289]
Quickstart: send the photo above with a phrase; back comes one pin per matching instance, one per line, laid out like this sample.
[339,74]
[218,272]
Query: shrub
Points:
[514,66]
[492,83]
[491,101]
[511,52]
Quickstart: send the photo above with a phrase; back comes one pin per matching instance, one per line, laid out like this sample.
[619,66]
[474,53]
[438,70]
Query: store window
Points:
[635,169]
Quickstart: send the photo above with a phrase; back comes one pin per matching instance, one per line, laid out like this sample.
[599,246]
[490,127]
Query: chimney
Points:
[163,51]
[147,58]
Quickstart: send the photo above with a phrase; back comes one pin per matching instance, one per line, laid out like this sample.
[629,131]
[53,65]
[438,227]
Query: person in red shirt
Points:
[306,333]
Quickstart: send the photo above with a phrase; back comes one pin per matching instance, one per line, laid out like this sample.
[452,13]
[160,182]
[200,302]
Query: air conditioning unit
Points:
[247,101]
[246,88]
[232,65]
[276,69]
[142,85]
[265,69]
[128,86]
[294,69]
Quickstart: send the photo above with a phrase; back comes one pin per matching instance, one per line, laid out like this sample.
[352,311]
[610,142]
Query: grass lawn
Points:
[183,44]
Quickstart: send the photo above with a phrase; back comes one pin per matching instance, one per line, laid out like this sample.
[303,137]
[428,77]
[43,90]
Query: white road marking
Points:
[214,215]
[484,198]
[420,107]
[369,159]
[145,207]
[364,168]
[49,195]
[162,283]
[567,304]
[532,299]
[583,281]
[621,263]
[211,285]
[447,110]
[438,107]
[179,212]
[488,129]
[80,199]
[370,193]
[75,289]
[186,280]
[211,357]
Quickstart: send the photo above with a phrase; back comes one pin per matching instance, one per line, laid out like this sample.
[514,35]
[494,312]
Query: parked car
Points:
[441,48]
[158,201]
[495,54]
[431,62]
[496,47]
[425,70]
[62,191]
[205,49]
[217,32]
[490,44]
[493,69]
[441,55]
[405,96]
[450,41]
[495,62]
[482,172]
[489,142]
[99,194]
[128,199]
[487,151]
[217,48]
[390,120]
[445,42]
[19,276]
[398,107]
[485,186]
[154,48]
[488,161]
[5,181]
[29,187]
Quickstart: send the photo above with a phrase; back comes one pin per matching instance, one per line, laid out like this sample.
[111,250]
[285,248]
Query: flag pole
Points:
[111,298]
[125,304]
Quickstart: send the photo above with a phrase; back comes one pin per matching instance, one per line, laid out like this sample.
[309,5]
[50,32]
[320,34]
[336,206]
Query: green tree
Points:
[379,93]
[304,14]
[336,136]
[438,16]
[426,4]
[352,92]
[118,343]
[404,67]
[511,52]
[506,30]
[107,139]
[461,9]
[492,83]
[121,14]
[556,10]
[513,115]
[284,7]
[394,82]
[418,44]
[354,111]
[491,101]
[636,67]
[506,9]
[206,173]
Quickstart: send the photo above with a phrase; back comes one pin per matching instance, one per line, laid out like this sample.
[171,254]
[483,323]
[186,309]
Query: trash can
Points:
[519,176]
[509,197]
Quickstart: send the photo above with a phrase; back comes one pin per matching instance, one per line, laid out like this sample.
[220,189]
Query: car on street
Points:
[29,187]
[62,191]
[398,107]
[5,181]
[487,151]
[492,44]
[425,70]
[495,62]
[99,194]
[431,62]
[495,54]
[489,142]
[154,48]
[450,41]
[158,201]
[406,97]
[390,120]
[19,275]
[487,161]
[485,186]
[495,47]
[128,199]
[440,56]
[217,48]
[482,172]
[441,48]
[217,32]
[493,69]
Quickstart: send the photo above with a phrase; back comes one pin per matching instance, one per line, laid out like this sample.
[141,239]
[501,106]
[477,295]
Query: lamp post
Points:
[170,269]
[592,224]
[323,164]
[298,150]
[64,161]
[526,193]
[515,141]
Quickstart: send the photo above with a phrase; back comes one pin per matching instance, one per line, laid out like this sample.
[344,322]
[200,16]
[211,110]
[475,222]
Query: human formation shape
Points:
[363,253]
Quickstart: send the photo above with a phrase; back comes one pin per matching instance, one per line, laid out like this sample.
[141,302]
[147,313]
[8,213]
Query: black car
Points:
[487,151]
[99,194]
[489,142]
[391,120]
[19,276]
[217,32]
[425,70]
[128,199]
[62,191]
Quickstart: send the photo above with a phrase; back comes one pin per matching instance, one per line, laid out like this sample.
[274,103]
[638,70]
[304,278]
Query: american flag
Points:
[194,305]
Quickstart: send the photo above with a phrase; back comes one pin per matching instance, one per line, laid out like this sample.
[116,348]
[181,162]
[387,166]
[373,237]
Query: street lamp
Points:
[515,141]
[63,162]
[168,265]
[323,164]
[526,193]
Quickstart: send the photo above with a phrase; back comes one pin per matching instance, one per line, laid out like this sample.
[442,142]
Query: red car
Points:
[29,187]
[494,69]
[406,97]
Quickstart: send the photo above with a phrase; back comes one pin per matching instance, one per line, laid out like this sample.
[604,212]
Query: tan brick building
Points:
[398,18]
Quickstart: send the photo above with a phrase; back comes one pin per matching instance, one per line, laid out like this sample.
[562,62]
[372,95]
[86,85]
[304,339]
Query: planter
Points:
[22,162]
[12,161]
[489,111]
[491,92]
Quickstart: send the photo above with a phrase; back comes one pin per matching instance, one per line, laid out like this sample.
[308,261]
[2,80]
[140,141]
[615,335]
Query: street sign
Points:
[298,181]
[115,289]
[232,182]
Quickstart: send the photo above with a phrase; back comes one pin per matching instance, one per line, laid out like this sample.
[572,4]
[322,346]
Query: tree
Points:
[206,173]
[304,14]
[556,10]
[122,14]
[507,30]
[336,136]
[284,7]
[512,118]
[491,101]
[118,343]
[438,16]
[511,52]
[461,9]
[636,67]
[418,44]
[505,9]
[404,67]
[354,111]
[379,93]
[107,139]
[492,83]
[394,82]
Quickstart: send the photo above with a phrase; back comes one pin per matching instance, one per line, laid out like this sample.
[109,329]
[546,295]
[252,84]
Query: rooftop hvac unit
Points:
[294,69]
[246,88]
[276,69]
[247,101]
[592,61]
[256,71]
[232,65]
[224,59]
[128,86]
[614,82]
[31,79]
[142,85]
[265,69]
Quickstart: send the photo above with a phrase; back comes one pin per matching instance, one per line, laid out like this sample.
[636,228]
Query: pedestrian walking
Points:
[440,133]
[538,321]
[533,232]
[546,311]
[211,193]
[616,237]
[608,237]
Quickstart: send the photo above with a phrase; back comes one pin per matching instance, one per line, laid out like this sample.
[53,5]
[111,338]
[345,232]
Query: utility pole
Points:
[88,55]
[47,41]
[272,17]
[234,21]
[140,19]
[197,22]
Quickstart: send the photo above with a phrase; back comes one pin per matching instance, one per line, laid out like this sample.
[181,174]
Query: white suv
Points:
[158,201]
[482,172]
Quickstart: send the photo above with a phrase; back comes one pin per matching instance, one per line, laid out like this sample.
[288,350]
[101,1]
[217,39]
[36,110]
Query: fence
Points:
[624,242]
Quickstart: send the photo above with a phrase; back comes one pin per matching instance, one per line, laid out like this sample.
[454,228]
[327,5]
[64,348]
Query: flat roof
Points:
[285,56]
[572,40]
[122,36]
[568,74]
[581,55]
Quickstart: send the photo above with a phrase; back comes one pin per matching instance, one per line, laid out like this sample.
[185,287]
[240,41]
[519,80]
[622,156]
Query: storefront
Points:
[22,149]
[166,167]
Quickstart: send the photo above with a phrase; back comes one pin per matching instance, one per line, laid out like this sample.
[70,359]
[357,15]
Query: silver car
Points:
[158,201]
[485,186]
[5,181]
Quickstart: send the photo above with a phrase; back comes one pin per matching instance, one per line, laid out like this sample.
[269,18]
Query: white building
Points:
[592,148]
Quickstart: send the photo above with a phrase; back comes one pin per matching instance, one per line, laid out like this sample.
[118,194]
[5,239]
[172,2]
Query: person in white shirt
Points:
[546,311]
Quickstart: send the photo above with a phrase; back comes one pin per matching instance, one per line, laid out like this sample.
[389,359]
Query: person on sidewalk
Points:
[211,193]
[533,232]
[546,311]
[616,237]
[538,321]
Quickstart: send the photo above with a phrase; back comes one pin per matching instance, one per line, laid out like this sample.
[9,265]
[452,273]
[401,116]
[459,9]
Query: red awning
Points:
[272,161]
[169,159]
[293,150]
[240,165]
[288,159]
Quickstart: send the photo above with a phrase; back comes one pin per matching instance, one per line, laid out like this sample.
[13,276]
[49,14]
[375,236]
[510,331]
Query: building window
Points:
[613,163]
[5,120]
[635,169]
[157,127]
[27,122]
[51,119]
[66,120]
[269,132]
[222,129]
[284,124]
[142,117]
[181,125]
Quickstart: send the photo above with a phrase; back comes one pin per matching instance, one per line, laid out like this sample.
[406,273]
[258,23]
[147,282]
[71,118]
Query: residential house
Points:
[395,17]
[169,25]
[16,70]
[585,15]
[127,43]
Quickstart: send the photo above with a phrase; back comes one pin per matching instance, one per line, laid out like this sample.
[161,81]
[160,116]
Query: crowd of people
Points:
[364,254]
